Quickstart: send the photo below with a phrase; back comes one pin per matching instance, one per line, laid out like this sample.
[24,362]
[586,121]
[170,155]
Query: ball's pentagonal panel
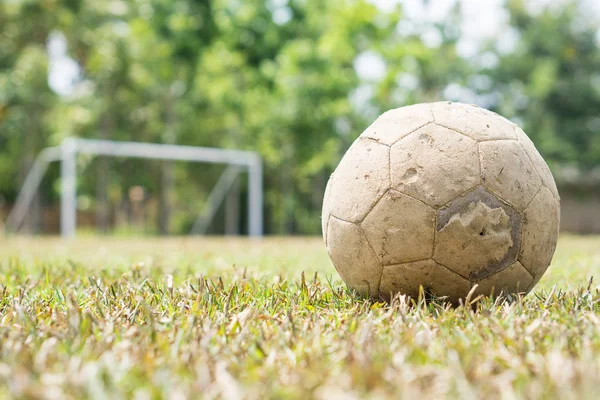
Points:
[435,279]
[538,162]
[326,210]
[508,172]
[434,164]
[477,235]
[473,121]
[400,229]
[539,233]
[353,257]
[512,280]
[359,181]
[393,125]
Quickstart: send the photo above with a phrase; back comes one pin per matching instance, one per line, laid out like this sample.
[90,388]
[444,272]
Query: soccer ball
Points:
[441,196]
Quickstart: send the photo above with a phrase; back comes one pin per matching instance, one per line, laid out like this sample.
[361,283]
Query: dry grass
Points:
[208,318]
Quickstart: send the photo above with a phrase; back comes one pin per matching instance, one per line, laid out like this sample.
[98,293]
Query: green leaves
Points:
[277,77]
[553,64]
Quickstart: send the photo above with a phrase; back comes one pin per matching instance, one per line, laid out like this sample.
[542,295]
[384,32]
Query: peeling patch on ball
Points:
[477,235]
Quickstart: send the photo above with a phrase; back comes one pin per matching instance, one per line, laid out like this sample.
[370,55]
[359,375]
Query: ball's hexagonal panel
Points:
[538,162]
[508,173]
[359,181]
[477,235]
[539,233]
[512,280]
[435,279]
[400,228]
[393,125]
[434,164]
[473,121]
[325,213]
[353,257]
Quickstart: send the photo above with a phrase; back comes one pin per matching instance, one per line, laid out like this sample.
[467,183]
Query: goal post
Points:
[67,152]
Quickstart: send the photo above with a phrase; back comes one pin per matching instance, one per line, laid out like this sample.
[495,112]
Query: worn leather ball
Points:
[441,196]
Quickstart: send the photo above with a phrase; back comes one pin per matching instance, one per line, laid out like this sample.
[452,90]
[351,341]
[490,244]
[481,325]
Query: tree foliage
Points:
[279,77]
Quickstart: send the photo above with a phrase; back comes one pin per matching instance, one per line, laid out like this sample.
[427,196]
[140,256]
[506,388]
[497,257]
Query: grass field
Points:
[181,318]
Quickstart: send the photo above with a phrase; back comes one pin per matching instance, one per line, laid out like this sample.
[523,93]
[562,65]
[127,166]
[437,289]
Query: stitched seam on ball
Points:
[452,271]
[520,244]
[492,191]
[430,106]
[342,219]
[411,132]
[508,203]
[435,222]
[477,140]
[408,195]
[362,217]
[480,160]
[500,270]
[327,231]
[532,163]
[377,202]
[550,190]
[534,167]
[376,258]
[430,258]
[528,272]
[541,179]
[370,245]
[391,266]
[523,220]
[360,221]
[520,254]
[454,130]
[522,263]
[498,140]
[460,195]
[373,140]
[536,194]
[525,267]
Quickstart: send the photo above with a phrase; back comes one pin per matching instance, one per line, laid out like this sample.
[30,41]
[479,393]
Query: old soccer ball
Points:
[441,196]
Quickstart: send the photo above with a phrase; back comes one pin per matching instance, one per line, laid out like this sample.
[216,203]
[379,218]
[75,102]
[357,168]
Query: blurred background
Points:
[294,80]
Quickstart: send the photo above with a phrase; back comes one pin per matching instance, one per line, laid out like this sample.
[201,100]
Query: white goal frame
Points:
[67,152]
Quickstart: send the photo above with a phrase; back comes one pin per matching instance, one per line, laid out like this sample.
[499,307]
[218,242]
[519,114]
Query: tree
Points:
[550,82]
[25,97]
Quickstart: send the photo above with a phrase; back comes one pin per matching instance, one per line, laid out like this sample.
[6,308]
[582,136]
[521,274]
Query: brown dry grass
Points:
[188,318]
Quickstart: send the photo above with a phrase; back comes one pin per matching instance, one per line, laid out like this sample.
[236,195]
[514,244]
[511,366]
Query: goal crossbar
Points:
[67,153]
